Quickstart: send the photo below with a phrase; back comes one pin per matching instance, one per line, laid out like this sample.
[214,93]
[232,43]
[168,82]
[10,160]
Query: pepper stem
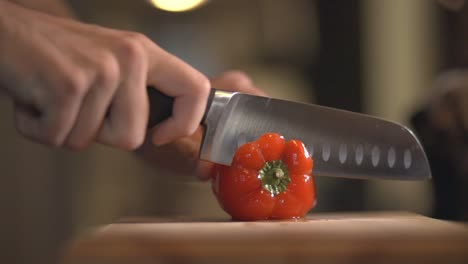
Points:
[275,177]
[279,173]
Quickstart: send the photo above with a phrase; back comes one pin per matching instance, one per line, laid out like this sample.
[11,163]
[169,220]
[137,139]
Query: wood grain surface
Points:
[390,237]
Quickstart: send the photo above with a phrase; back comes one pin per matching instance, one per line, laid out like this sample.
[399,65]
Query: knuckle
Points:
[73,83]
[132,47]
[202,85]
[107,71]
[138,37]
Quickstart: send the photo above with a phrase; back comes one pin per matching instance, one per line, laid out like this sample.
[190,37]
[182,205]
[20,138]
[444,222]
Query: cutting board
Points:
[391,237]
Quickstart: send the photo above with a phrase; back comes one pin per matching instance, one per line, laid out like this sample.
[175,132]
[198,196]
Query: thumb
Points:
[236,81]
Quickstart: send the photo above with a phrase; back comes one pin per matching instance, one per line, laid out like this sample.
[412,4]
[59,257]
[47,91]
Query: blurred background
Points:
[375,57]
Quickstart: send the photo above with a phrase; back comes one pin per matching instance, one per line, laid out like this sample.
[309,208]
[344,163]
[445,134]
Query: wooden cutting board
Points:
[322,238]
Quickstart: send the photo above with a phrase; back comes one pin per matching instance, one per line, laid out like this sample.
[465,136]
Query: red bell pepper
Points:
[268,179]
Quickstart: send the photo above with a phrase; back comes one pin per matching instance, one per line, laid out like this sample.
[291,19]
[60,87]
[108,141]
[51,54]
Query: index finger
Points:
[186,85]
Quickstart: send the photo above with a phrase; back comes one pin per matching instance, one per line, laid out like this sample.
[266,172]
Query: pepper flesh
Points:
[243,191]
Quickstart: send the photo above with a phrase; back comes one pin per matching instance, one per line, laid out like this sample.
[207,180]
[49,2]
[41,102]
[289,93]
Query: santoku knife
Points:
[342,143]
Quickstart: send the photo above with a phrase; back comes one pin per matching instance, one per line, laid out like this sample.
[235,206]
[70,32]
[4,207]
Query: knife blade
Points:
[342,143]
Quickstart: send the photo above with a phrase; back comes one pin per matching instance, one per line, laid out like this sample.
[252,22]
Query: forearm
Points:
[53,7]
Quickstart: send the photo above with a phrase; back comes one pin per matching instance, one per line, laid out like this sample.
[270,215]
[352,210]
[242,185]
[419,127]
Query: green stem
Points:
[275,177]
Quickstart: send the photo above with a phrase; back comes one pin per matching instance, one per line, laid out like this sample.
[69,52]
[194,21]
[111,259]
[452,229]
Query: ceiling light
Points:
[177,5]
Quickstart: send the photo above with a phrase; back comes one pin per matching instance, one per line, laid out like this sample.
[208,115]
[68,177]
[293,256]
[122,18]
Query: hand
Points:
[182,155]
[74,83]
[442,128]
[448,110]
[443,125]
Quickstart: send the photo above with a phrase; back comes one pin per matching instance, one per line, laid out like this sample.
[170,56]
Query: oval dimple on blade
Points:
[367,158]
[343,153]
[391,157]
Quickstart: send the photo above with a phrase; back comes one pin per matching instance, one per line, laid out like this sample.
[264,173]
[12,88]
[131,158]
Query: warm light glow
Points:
[177,5]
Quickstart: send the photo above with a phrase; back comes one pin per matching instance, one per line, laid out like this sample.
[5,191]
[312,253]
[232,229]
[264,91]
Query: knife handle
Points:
[160,106]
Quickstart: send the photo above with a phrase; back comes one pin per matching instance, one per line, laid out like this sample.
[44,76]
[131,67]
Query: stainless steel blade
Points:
[342,143]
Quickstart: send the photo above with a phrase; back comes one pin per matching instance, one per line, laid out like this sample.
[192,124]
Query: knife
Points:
[342,143]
